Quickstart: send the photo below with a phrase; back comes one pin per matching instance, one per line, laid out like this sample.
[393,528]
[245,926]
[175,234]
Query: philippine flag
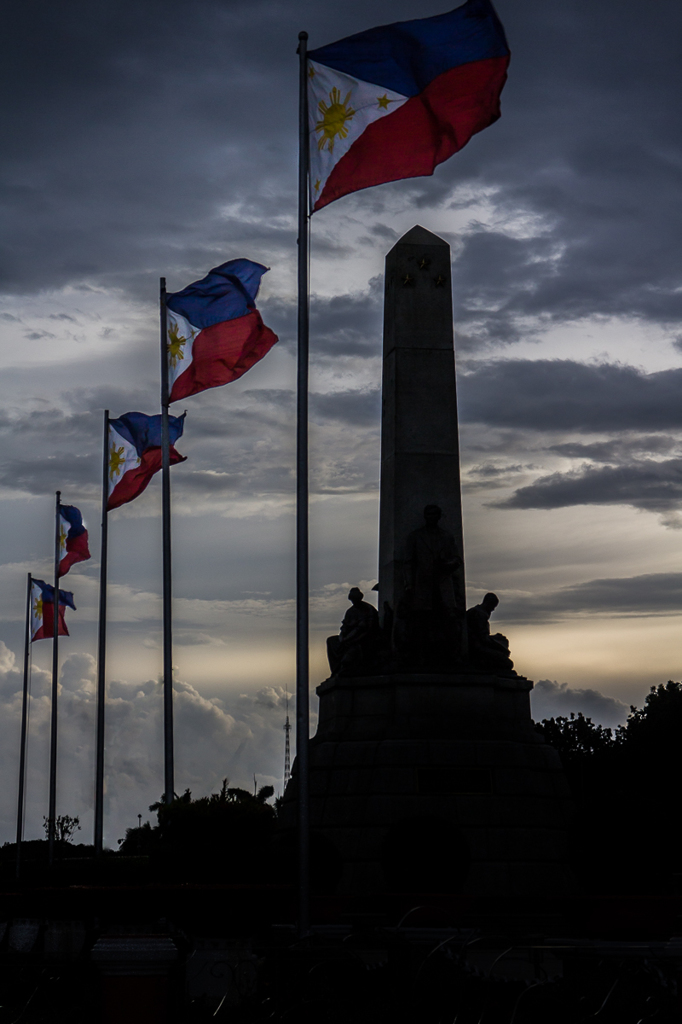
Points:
[135,453]
[215,332]
[42,610]
[73,538]
[396,101]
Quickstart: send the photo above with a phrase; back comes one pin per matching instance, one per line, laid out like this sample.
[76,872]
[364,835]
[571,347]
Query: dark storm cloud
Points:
[348,325]
[344,325]
[124,135]
[34,459]
[238,444]
[86,402]
[647,485]
[586,158]
[253,479]
[617,450]
[489,476]
[649,594]
[357,408]
[507,395]
[155,137]
[42,475]
[560,394]
[246,416]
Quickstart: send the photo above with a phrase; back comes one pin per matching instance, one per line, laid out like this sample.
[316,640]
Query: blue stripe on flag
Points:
[65,596]
[227,292]
[408,55]
[144,431]
[73,518]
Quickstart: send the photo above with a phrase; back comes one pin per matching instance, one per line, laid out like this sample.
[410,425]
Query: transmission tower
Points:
[287,745]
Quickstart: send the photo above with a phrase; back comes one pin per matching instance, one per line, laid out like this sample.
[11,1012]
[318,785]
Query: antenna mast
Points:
[287,745]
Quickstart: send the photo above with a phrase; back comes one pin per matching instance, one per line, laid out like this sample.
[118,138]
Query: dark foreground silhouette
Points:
[626,783]
[209,882]
[225,836]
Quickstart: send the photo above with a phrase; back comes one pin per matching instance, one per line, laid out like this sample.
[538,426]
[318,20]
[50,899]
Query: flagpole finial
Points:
[302,35]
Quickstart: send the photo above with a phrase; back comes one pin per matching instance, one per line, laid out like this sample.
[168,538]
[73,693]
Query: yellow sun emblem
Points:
[62,538]
[176,344]
[333,119]
[116,460]
[38,608]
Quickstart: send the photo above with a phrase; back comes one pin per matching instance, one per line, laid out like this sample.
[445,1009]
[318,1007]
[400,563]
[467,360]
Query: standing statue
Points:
[486,651]
[431,613]
[358,637]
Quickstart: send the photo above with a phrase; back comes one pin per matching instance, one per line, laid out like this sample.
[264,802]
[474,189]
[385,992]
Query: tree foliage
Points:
[225,836]
[64,827]
[577,737]
[625,785]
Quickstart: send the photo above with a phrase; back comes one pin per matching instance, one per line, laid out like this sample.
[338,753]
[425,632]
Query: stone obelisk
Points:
[419,435]
[426,773]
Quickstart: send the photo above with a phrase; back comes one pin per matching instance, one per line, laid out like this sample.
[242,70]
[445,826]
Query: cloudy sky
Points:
[154,139]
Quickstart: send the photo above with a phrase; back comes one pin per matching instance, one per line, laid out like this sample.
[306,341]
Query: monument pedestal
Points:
[435,783]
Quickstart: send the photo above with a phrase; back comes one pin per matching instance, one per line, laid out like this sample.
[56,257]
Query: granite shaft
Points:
[419,430]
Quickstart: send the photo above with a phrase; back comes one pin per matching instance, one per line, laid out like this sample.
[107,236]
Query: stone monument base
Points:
[434,783]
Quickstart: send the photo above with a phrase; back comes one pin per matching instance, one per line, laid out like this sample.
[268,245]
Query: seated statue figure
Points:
[486,651]
[358,637]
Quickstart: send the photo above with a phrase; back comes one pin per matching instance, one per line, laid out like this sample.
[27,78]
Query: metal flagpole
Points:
[52,809]
[168,777]
[302,628]
[102,648]
[24,729]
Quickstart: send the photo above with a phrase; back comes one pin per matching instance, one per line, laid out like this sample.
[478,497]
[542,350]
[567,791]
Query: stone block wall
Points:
[436,783]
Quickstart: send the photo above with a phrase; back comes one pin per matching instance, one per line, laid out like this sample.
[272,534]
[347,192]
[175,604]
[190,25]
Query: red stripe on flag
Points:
[135,480]
[423,132]
[76,551]
[46,631]
[222,353]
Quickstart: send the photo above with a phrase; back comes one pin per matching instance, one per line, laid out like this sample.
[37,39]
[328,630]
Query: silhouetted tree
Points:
[64,827]
[653,732]
[626,791]
[577,737]
[225,836]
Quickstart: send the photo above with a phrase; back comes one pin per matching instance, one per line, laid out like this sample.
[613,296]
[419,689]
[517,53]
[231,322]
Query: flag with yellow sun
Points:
[215,332]
[396,101]
[42,610]
[73,538]
[135,453]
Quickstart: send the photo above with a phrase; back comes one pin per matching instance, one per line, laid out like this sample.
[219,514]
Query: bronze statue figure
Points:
[486,651]
[430,632]
[358,636]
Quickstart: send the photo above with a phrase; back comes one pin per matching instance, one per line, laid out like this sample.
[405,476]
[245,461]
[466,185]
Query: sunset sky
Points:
[154,139]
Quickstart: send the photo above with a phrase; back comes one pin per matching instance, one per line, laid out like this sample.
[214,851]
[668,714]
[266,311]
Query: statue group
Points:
[429,630]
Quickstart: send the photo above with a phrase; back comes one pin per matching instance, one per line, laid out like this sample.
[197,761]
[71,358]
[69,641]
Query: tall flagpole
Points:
[52,809]
[24,729]
[102,649]
[302,615]
[168,756]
